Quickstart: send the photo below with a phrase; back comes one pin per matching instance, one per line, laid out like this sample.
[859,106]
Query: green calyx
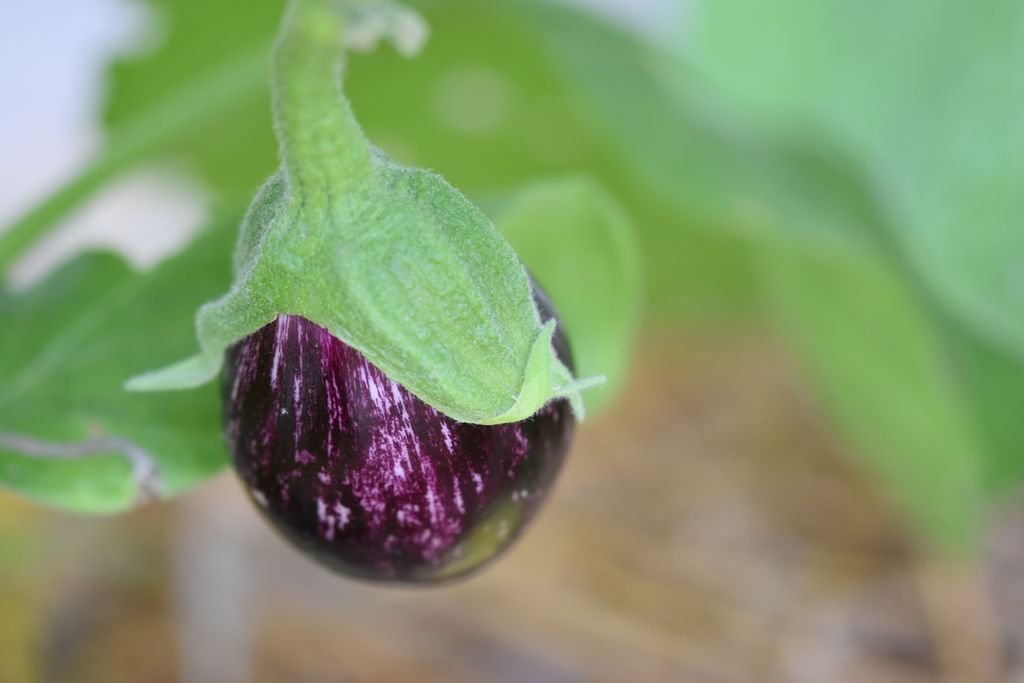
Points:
[393,261]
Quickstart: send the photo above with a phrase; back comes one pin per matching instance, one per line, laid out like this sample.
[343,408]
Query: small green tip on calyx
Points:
[572,389]
[190,373]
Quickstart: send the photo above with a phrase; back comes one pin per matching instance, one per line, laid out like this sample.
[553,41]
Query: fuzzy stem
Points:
[323,149]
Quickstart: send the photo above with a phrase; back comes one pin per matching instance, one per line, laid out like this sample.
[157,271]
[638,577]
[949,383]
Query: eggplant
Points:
[366,478]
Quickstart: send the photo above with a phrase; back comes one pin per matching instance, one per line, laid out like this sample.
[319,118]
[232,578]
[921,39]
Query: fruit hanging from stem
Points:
[370,480]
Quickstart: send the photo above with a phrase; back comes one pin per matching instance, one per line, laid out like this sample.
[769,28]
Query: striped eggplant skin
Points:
[366,478]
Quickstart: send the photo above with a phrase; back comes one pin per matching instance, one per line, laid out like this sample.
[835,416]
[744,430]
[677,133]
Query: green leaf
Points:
[230,143]
[925,95]
[803,185]
[920,98]
[885,377]
[70,435]
[992,382]
[681,172]
[579,244]
[660,132]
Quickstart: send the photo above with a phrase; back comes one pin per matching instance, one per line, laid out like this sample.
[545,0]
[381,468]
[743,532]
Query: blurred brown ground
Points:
[707,530]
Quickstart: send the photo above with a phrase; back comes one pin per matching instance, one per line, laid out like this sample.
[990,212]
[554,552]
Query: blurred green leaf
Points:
[579,245]
[507,58]
[925,95]
[992,381]
[802,186]
[224,42]
[885,377]
[678,148]
[68,429]
[820,300]
[921,99]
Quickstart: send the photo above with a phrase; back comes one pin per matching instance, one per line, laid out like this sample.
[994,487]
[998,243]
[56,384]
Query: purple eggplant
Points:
[368,479]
